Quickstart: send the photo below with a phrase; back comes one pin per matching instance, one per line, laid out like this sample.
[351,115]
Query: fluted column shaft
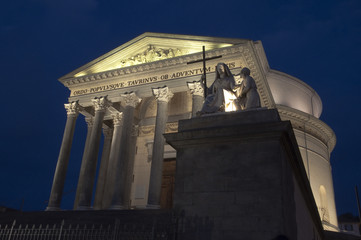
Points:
[91,156]
[197,91]
[114,155]
[122,163]
[89,122]
[63,159]
[99,193]
[130,168]
[162,95]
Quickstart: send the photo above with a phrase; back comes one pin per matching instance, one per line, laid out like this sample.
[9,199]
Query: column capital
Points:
[101,103]
[72,108]
[89,121]
[162,94]
[107,131]
[130,99]
[117,119]
[196,88]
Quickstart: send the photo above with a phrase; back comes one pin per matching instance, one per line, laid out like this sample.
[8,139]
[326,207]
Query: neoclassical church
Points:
[135,93]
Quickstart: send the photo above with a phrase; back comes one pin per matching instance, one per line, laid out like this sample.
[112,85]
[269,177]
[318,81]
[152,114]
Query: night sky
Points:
[318,42]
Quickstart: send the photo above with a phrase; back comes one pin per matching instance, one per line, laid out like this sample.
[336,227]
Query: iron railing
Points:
[157,230]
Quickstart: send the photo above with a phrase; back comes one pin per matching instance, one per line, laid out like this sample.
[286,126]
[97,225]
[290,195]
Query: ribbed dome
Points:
[292,92]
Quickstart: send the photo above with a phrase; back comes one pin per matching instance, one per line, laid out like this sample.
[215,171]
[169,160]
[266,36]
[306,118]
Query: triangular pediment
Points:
[151,47]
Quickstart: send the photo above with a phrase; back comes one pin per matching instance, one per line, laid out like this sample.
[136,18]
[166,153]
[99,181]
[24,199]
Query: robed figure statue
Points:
[248,97]
[223,84]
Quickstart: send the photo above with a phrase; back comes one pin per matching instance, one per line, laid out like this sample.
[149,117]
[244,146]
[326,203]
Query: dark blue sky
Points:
[42,40]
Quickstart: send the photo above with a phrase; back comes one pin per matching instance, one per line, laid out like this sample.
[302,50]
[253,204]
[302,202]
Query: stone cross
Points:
[204,59]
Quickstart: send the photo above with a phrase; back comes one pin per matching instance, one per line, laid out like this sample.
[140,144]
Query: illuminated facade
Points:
[139,91]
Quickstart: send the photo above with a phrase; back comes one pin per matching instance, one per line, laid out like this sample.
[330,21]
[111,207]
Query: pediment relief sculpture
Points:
[152,54]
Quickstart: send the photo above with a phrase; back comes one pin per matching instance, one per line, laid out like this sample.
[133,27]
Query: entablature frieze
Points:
[310,124]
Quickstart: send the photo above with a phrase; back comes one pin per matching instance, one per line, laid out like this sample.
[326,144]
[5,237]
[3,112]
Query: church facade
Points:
[137,92]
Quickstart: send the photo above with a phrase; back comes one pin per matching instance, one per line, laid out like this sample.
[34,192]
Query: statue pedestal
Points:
[240,176]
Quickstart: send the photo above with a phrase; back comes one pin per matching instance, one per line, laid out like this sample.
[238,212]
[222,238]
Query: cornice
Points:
[259,75]
[309,124]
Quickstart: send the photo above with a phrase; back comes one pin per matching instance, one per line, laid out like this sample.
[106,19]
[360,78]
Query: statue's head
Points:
[222,69]
[245,71]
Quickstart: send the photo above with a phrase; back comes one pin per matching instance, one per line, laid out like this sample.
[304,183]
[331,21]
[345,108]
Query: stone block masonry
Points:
[235,174]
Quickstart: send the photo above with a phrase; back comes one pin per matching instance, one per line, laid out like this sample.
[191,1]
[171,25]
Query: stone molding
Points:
[101,103]
[171,127]
[130,99]
[72,108]
[162,94]
[309,124]
[146,130]
[149,130]
[117,119]
[196,88]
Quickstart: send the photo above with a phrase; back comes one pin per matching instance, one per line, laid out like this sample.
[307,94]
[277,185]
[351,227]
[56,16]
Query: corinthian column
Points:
[86,180]
[89,121]
[114,155]
[197,91]
[162,95]
[130,100]
[107,133]
[63,159]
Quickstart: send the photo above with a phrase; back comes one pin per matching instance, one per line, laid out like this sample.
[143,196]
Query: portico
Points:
[137,92]
[133,104]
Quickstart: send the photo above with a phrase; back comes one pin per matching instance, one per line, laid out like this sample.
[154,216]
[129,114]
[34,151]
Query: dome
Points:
[292,92]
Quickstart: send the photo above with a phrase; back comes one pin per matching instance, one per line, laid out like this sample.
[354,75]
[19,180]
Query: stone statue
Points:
[248,97]
[224,83]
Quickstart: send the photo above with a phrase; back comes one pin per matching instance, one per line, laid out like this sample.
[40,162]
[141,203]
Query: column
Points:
[130,168]
[197,91]
[130,100]
[114,154]
[162,95]
[107,133]
[91,156]
[89,121]
[63,159]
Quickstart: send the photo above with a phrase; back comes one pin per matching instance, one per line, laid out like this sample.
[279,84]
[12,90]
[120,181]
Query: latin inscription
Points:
[142,81]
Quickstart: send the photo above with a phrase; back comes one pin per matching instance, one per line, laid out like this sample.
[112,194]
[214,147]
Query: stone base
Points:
[117,207]
[84,208]
[53,209]
[151,206]
[240,176]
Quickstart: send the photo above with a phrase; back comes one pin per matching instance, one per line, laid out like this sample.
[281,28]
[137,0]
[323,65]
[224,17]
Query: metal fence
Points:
[134,231]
